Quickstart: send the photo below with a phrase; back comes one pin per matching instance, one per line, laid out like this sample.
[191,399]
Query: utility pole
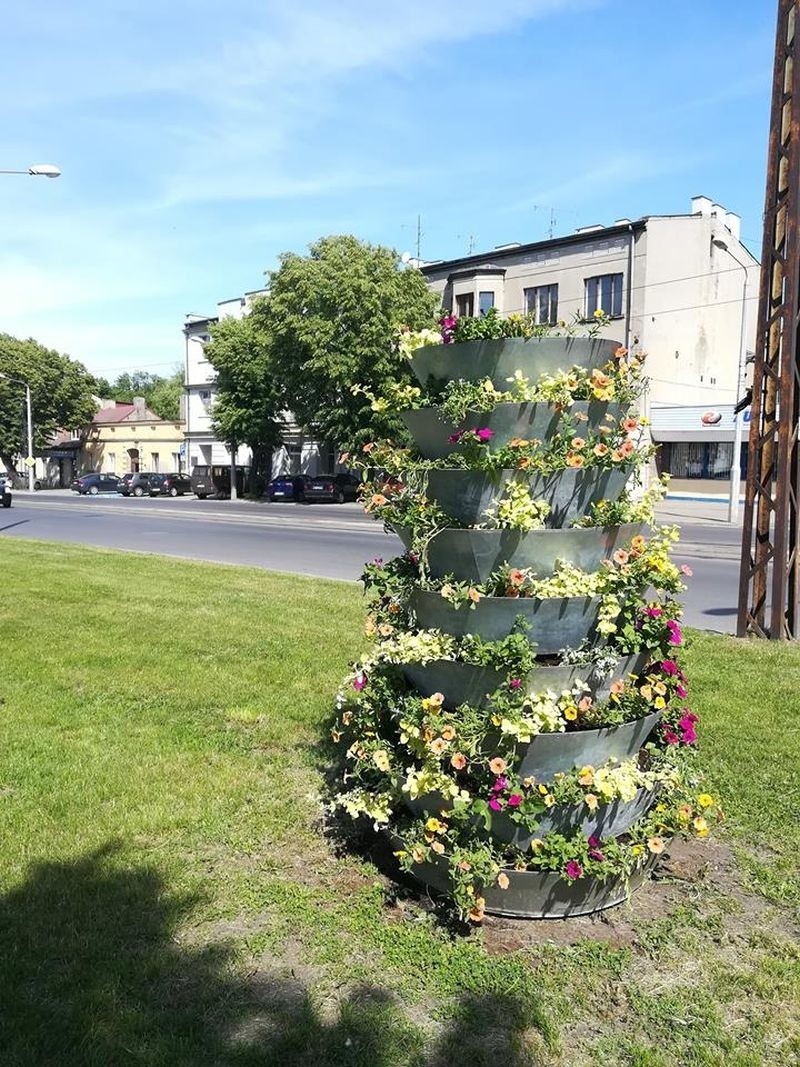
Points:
[769,580]
[419,238]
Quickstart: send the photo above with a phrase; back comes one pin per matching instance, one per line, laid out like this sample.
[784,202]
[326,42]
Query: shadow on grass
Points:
[91,974]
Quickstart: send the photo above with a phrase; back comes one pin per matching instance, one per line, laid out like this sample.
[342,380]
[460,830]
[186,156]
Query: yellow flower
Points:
[549,800]
[591,801]
[543,790]
[381,760]
[586,775]
[637,850]
[571,713]
[701,826]
[537,845]
[433,826]
[705,800]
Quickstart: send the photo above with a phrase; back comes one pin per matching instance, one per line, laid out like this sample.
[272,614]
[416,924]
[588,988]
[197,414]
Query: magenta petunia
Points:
[496,804]
[515,683]
[670,667]
[454,438]
[653,613]
[485,434]
[680,690]
[670,736]
[499,785]
[675,636]
[359,682]
[514,800]
[573,869]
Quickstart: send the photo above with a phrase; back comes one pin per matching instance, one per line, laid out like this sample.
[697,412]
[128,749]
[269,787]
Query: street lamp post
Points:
[40,170]
[29,465]
[736,465]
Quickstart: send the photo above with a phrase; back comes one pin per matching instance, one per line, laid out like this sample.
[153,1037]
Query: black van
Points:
[216,481]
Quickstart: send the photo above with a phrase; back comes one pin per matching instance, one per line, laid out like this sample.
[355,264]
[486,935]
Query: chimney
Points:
[139,409]
[734,224]
[701,205]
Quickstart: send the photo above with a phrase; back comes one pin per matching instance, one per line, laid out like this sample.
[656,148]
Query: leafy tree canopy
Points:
[162,395]
[248,406]
[61,395]
[331,318]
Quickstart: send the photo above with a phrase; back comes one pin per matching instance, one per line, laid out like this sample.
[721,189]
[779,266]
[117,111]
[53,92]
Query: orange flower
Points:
[502,880]
[638,543]
[656,845]
[524,463]
[385,629]
[599,379]
[600,449]
[516,576]
[476,913]
[473,594]
[620,556]
[458,761]
[584,703]
[368,447]
[630,424]
[417,855]
[517,442]
[448,733]
[497,765]
[577,443]
[437,847]
[438,746]
[620,352]
[617,687]
[574,460]
[617,456]
[627,447]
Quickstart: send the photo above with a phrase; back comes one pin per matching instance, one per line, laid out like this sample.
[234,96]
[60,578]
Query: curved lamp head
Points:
[45,170]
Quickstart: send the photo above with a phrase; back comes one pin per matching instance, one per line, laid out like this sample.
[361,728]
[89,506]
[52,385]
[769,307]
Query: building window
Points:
[111,462]
[154,462]
[604,293]
[542,303]
[485,302]
[176,461]
[465,305]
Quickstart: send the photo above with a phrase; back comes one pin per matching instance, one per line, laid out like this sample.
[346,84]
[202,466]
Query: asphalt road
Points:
[324,540]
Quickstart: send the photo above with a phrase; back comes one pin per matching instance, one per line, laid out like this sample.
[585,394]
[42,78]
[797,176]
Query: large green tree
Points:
[61,395]
[332,318]
[248,405]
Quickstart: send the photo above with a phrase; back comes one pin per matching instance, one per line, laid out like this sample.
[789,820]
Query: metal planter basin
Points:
[548,754]
[609,820]
[467,496]
[562,622]
[472,555]
[465,683]
[541,894]
[499,359]
[431,430]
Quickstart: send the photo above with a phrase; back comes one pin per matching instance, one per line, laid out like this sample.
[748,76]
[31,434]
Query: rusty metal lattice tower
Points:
[769,585]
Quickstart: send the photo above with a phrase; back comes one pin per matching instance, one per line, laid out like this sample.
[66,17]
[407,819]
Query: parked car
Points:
[139,484]
[288,487]
[5,491]
[125,483]
[170,484]
[95,483]
[334,487]
[216,481]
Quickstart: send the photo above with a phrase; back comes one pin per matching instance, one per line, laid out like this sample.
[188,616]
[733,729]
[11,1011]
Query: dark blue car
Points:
[287,487]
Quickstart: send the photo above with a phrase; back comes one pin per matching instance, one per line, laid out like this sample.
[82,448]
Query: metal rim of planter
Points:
[472,555]
[431,430]
[499,359]
[555,623]
[468,496]
[539,894]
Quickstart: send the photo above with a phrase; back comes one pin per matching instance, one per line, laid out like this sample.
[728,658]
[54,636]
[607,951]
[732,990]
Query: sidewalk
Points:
[715,490]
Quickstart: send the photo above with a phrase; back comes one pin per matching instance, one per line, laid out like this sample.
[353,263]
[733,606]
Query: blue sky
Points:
[199,140]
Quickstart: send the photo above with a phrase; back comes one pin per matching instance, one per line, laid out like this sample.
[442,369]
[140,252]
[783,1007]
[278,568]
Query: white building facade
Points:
[683,289]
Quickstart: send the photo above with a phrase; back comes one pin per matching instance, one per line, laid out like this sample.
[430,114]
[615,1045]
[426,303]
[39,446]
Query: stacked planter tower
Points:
[534,786]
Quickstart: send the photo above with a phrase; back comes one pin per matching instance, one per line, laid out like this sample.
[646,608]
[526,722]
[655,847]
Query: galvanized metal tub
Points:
[548,754]
[499,359]
[431,430]
[540,894]
[560,622]
[467,496]
[466,683]
[609,820]
[472,555]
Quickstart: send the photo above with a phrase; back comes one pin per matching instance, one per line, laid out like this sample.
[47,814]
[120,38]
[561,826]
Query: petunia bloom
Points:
[573,869]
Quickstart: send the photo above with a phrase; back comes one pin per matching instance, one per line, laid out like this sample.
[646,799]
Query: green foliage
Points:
[248,405]
[332,318]
[61,394]
[162,395]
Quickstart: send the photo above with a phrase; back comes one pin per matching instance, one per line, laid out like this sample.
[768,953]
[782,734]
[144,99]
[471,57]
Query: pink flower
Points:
[685,569]
[485,434]
[669,666]
[499,785]
[675,636]
[653,613]
[670,736]
[359,681]
[447,324]
[686,726]
[573,870]
[514,800]
[681,691]
[454,438]
[515,683]
[495,804]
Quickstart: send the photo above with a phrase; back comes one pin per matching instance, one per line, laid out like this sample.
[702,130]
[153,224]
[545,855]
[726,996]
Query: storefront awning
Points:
[695,423]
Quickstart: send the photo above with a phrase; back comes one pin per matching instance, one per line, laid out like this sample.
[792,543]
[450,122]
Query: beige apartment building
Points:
[681,288]
[131,437]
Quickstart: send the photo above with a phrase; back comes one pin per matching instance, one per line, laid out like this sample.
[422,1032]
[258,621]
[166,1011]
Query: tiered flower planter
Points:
[473,554]
[503,796]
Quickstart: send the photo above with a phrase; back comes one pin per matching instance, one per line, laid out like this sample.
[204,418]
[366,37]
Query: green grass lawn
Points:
[167,896]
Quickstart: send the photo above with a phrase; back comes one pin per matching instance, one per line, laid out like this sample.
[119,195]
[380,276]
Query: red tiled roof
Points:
[120,412]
